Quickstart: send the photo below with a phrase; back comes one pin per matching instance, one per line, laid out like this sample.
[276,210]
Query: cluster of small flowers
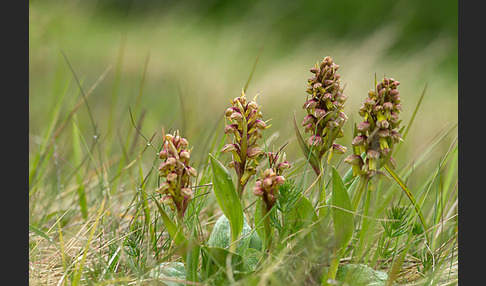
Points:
[246,126]
[378,132]
[325,116]
[176,190]
[267,185]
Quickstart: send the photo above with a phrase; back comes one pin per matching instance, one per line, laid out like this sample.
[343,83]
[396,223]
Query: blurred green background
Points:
[177,64]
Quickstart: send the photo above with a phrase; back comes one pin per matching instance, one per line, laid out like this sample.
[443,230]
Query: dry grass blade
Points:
[79,271]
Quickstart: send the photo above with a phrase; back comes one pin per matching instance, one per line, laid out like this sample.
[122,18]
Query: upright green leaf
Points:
[174,231]
[228,200]
[302,215]
[192,260]
[259,219]
[221,266]
[343,219]
[342,214]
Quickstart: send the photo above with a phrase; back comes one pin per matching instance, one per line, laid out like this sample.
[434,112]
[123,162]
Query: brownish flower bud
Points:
[191,171]
[383,132]
[230,111]
[310,104]
[252,105]
[258,191]
[171,161]
[337,148]
[267,183]
[309,128]
[369,103]
[185,155]
[163,166]
[383,124]
[183,143]
[236,116]
[163,154]
[395,136]
[319,113]
[388,106]
[359,140]
[372,156]
[232,128]
[253,152]
[283,166]
[354,160]
[171,176]
[260,124]
[315,140]
[363,126]
[163,187]
[167,200]
[186,192]
[169,137]
[228,148]
[309,119]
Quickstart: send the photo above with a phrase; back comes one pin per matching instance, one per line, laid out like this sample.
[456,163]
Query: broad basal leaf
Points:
[228,200]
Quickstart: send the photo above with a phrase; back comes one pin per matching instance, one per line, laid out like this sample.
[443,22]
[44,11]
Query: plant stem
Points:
[322,191]
[333,267]
[362,185]
[322,197]
[364,227]
[266,226]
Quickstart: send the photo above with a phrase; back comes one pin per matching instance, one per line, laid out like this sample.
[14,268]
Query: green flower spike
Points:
[268,184]
[378,133]
[324,106]
[246,126]
[176,189]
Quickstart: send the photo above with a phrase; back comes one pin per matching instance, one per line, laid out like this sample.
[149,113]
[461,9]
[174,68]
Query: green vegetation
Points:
[148,163]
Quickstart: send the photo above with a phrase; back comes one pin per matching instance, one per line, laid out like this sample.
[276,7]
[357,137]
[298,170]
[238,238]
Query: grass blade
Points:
[79,271]
[42,234]
[410,197]
[174,231]
[414,113]
[78,159]
[253,68]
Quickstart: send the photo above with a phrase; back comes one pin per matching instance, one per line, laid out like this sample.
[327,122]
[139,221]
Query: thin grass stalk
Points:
[47,145]
[358,253]
[79,271]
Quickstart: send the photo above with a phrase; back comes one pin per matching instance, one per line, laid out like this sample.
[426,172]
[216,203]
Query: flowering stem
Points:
[244,146]
[266,226]
[364,224]
[322,191]
[239,187]
[362,186]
